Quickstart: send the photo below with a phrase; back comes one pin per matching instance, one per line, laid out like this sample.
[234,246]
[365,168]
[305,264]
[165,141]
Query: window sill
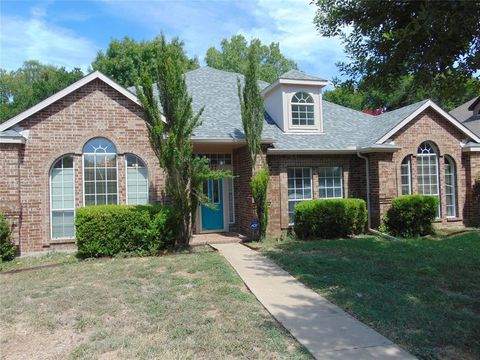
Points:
[453,219]
[63,241]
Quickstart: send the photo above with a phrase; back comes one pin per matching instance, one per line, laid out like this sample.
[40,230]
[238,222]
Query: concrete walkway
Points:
[323,328]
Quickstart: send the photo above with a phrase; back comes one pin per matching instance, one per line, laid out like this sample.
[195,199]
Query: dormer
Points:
[475,107]
[294,101]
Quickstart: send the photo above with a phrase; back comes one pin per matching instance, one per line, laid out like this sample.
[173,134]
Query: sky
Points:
[70,33]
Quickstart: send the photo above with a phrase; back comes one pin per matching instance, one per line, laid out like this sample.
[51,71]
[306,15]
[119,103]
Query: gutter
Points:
[348,150]
[368,188]
[12,140]
[227,140]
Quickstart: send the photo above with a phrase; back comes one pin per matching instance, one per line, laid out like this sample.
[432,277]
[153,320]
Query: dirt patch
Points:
[21,341]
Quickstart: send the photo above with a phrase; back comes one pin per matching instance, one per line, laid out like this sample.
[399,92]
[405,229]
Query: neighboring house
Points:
[469,114]
[88,144]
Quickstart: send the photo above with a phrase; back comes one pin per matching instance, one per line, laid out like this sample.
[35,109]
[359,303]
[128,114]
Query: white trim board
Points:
[62,93]
[438,109]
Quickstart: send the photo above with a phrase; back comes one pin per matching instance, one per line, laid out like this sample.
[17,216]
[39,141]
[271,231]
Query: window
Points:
[231,207]
[100,172]
[62,198]
[427,171]
[137,180]
[406,175]
[450,187]
[299,187]
[217,159]
[330,182]
[303,113]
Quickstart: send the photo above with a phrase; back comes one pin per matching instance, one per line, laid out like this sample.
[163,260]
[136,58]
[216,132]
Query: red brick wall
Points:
[385,168]
[9,186]
[63,128]
[472,200]
[353,182]
[244,210]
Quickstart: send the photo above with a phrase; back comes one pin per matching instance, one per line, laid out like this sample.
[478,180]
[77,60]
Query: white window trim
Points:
[341,183]
[313,104]
[454,186]
[126,178]
[83,177]
[51,200]
[409,163]
[298,200]
[439,190]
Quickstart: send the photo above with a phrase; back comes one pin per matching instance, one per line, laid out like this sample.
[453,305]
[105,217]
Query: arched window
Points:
[100,172]
[137,180]
[406,175]
[62,198]
[450,187]
[303,109]
[427,171]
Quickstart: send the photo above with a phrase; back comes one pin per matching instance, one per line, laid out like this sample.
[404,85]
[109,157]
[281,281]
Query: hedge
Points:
[329,218]
[411,215]
[107,230]
[7,248]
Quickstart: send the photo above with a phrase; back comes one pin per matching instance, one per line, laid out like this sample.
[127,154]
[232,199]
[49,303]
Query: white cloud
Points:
[202,24]
[35,39]
[290,23]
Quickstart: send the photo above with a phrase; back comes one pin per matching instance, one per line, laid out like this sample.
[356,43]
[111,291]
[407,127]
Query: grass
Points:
[179,306]
[423,294]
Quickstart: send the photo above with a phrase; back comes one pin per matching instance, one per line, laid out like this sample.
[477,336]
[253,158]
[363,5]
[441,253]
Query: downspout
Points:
[367,173]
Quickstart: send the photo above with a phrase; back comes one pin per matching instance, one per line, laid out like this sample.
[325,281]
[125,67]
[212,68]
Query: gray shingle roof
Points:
[464,115]
[344,128]
[299,75]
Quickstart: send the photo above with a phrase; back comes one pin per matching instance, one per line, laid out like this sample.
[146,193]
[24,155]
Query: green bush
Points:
[259,186]
[411,215]
[329,218]
[107,230]
[7,248]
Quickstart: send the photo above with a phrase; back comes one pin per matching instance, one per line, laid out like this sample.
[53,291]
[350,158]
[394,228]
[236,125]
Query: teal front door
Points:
[212,217]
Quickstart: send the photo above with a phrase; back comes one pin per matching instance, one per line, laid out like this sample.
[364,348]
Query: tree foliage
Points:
[30,84]
[252,110]
[124,59]
[233,56]
[170,132]
[365,96]
[430,44]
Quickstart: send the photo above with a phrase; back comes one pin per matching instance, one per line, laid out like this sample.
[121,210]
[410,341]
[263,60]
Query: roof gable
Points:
[68,90]
[420,107]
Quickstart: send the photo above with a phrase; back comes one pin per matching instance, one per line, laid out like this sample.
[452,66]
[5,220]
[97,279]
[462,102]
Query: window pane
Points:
[330,182]
[137,181]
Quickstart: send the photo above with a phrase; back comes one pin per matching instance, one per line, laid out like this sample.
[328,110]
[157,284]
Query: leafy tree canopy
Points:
[424,44]
[125,58]
[364,96]
[30,84]
[233,56]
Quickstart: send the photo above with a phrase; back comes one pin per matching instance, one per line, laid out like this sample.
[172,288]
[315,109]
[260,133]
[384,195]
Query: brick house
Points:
[88,145]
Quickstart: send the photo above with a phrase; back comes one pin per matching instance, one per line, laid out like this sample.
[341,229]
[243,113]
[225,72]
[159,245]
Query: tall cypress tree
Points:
[170,132]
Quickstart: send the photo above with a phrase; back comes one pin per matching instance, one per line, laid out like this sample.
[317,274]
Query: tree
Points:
[30,84]
[124,58]
[252,110]
[233,56]
[434,42]
[366,96]
[170,134]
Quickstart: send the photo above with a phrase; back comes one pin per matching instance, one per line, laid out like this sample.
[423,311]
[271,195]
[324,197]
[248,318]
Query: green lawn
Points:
[421,293]
[182,306]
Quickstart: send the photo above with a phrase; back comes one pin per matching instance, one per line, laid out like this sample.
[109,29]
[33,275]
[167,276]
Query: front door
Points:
[212,217]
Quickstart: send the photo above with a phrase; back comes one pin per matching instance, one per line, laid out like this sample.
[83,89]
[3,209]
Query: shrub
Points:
[329,218]
[259,186]
[7,248]
[411,215]
[107,230]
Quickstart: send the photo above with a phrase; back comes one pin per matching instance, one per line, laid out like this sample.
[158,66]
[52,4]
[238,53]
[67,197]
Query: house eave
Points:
[12,140]
[348,150]
[226,140]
